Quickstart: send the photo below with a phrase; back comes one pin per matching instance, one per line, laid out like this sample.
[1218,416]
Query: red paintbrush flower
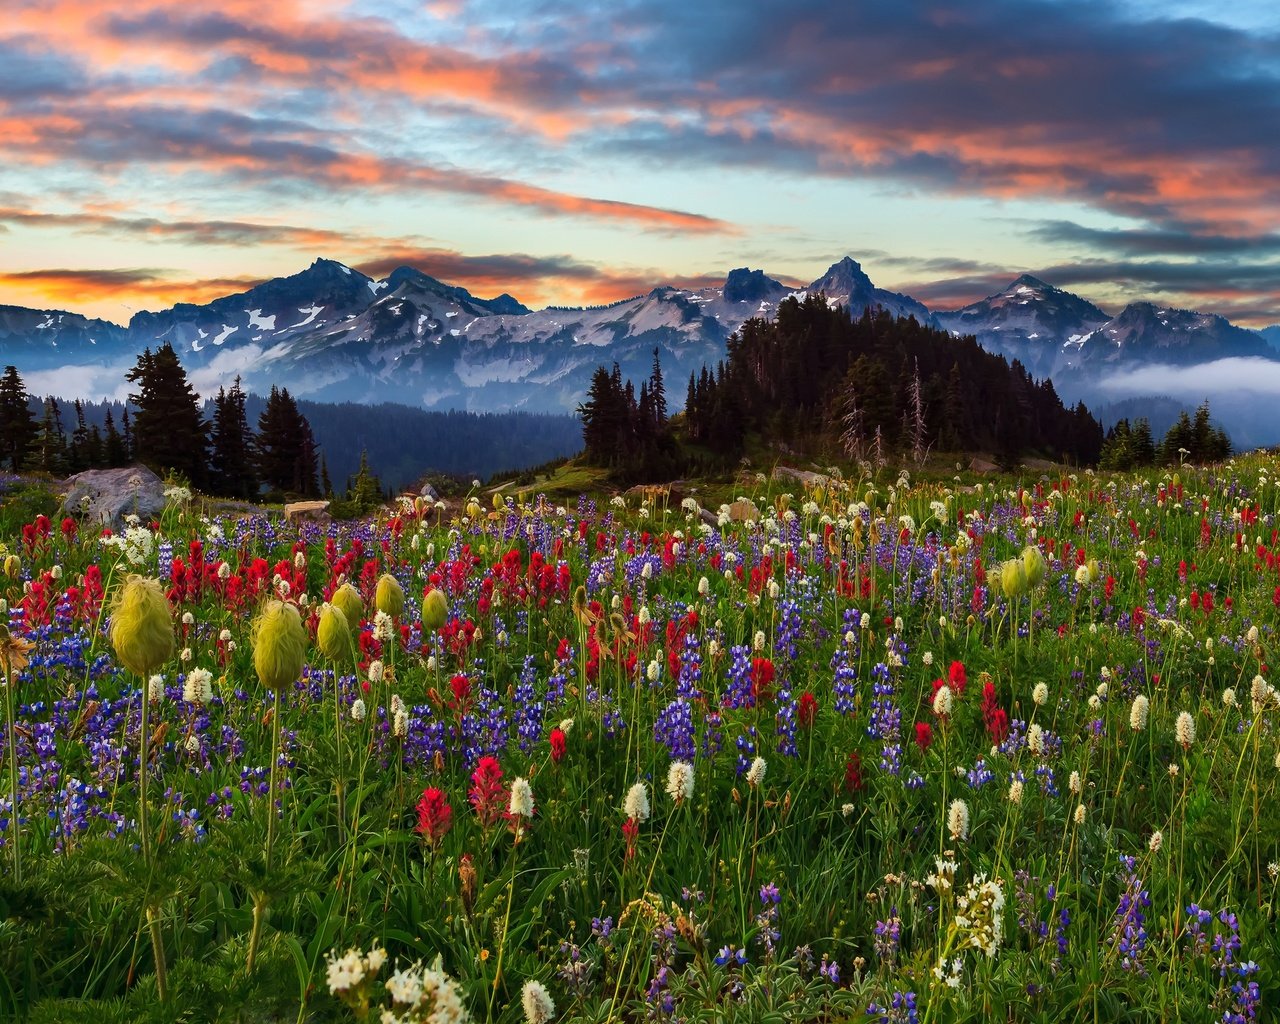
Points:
[924,735]
[853,773]
[435,816]
[487,795]
[808,710]
[557,739]
[631,832]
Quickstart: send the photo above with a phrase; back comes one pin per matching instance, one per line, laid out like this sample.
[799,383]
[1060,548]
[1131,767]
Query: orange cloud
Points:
[103,292]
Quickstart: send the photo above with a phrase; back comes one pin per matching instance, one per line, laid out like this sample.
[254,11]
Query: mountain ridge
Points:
[332,333]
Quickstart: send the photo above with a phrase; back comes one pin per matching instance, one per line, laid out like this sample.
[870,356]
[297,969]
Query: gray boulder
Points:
[103,497]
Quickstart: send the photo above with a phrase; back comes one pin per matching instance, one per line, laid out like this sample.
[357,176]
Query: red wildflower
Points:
[853,773]
[994,717]
[488,796]
[924,735]
[631,832]
[761,678]
[957,679]
[557,744]
[435,816]
[807,710]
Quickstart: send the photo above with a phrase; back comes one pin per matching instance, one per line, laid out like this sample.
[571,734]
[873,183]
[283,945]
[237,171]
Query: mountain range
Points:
[331,333]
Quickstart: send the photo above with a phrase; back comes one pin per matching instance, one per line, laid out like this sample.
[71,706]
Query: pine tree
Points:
[18,427]
[130,445]
[326,485]
[286,448]
[82,452]
[1142,446]
[50,446]
[658,394]
[231,462]
[1176,446]
[365,491]
[114,452]
[170,434]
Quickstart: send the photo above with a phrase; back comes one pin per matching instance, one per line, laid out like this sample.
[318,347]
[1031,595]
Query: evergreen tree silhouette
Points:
[18,428]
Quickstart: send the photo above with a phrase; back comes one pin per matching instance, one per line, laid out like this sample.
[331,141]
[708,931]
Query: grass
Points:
[1026,846]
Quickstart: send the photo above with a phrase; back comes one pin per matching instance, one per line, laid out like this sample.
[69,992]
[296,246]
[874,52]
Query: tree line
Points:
[867,387]
[1132,445]
[626,431]
[292,448]
[163,426]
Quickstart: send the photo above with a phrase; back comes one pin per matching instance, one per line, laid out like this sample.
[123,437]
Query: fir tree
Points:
[50,445]
[18,428]
[658,394]
[114,451]
[169,433]
[232,469]
[286,448]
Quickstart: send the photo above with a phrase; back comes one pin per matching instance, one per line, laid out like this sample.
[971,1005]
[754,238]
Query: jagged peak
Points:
[1029,281]
[846,271]
[746,285]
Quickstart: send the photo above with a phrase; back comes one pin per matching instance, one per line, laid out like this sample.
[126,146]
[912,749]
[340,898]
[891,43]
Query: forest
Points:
[237,444]
[815,380]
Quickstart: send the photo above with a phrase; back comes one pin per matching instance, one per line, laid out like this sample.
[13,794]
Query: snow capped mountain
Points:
[1036,323]
[845,284]
[332,333]
[42,339]
[1146,333]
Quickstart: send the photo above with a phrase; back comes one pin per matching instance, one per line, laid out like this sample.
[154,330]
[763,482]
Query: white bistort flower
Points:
[197,688]
[636,804]
[521,799]
[536,1000]
[755,774]
[680,781]
[1185,729]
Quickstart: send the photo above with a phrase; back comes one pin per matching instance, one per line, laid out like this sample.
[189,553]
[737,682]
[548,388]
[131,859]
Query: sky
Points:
[156,151]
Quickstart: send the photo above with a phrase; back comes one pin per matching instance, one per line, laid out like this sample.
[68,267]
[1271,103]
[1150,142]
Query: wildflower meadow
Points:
[866,749]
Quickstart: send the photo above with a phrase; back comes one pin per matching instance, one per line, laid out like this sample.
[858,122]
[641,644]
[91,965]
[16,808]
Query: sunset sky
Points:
[153,151]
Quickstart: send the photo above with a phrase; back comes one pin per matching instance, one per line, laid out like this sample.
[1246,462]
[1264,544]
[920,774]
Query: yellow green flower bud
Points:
[1013,578]
[1094,570]
[333,635]
[1033,564]
[347,600]
[12,566]
[279,645]
[435,610]
[389,597]
[141,625]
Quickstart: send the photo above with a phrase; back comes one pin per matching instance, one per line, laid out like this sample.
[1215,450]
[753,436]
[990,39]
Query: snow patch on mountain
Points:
[256,319]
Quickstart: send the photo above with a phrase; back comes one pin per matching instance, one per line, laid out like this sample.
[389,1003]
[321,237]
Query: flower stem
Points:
[10,740]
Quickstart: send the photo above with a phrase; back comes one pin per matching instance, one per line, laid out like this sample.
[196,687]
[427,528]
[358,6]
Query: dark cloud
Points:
[449,265]
[30,70]
[1157,241]
[264,149]
[533,279]
[1160,118]
[202,232]
[92,280]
